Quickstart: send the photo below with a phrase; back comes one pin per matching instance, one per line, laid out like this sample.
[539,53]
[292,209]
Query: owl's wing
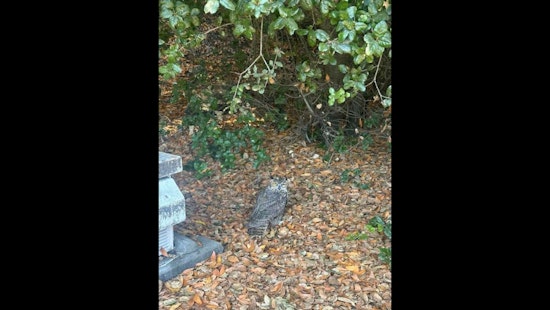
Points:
[259,210]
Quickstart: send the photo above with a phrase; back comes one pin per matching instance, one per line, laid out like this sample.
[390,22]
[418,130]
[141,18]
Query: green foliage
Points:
[224,144]
[376,225]
[177,30]
[360,29]
[326,52]
[385,255]
[201,169]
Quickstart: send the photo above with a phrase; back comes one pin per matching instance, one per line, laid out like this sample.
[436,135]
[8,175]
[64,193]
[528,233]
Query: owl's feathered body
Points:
[270,207]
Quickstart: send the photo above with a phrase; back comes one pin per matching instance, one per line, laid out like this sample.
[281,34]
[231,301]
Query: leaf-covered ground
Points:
[306,262]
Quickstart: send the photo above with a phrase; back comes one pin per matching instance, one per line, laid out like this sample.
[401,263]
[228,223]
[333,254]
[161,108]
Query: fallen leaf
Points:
[249,247]
[197,299]
[347,300]
[353,268]
[276,287]
[175,306]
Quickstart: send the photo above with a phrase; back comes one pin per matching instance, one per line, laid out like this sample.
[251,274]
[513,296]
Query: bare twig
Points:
[216,28]
[374,78]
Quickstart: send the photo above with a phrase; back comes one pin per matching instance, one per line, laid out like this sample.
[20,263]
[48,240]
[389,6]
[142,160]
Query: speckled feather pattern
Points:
[269,208]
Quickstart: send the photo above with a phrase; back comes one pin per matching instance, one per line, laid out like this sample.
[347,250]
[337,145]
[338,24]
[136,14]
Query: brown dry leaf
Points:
[214,284]
[243,299]
[275,288]
[250,246]
[197,299]
[275,251]
[258,270]
[347,300]
[212,305]
[319,236]
[175,306]
[163,252]
[352,268]
[222,270]
[173,286]
[233,259]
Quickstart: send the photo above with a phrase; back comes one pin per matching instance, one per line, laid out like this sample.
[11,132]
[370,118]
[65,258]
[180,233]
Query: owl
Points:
[270,206]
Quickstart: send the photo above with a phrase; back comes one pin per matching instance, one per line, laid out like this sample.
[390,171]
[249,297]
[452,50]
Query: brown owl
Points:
[270,207]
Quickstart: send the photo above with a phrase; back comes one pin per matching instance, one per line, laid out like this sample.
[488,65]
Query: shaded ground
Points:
[304,263]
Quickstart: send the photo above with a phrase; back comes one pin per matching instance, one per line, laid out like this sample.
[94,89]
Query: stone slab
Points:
[171,203]
[188,254]
[169,164]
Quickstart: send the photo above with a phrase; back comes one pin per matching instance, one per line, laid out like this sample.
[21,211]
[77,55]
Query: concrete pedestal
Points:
[186,252]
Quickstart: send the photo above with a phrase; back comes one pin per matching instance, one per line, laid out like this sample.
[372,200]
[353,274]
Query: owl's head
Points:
[278,183]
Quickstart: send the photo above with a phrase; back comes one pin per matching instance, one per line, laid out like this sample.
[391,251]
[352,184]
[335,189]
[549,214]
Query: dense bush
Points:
[324,61]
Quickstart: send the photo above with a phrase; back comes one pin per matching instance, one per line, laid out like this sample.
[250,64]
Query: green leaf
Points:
[359,58]
[326,5]
[278,24]
[321,35]
[176,68]
[283,13]
[371,8]
[351,35]
[195,12]
[359,26]
[376,220]
[374,49]
[211,6]
[228,4]
[342,35]
[342,68]
[387,230]
[307,4]
[351,11]
[311,38]
[342,48]
[380,29]
[360,86]
[291,25]
[166,14]
[302,32]
[323,47]
[348,24]
[238,29]
[173,21]
[368,38]
[385,40]
[364,17]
